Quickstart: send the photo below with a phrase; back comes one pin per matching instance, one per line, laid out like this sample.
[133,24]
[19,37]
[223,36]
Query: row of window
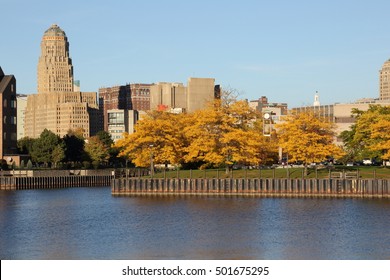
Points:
[13,136]
[12,120]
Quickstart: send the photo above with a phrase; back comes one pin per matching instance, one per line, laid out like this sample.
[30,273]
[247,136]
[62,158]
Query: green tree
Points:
[58,153]
[74,146]
[43,147]
[29,164]
[96,150]
[25,145]
[105,138]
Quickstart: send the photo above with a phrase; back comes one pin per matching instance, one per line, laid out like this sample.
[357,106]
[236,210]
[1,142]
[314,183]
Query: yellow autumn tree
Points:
[158,135]
[220,135]
[381,137]
[307,138]
[368,137]
[224,135]
[97,151]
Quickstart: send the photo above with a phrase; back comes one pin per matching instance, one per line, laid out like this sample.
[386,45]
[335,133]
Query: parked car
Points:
[367,161]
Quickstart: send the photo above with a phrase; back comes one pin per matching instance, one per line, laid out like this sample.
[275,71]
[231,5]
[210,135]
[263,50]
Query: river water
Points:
[89,223]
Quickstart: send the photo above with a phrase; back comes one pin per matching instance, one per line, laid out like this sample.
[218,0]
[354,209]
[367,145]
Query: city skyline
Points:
[285,51]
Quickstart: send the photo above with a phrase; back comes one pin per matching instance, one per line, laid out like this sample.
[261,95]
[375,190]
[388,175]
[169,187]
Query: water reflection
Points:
[88,223]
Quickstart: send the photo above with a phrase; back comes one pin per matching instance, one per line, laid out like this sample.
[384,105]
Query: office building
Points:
[175,97]
[134,97]
[121,121]
[167,96]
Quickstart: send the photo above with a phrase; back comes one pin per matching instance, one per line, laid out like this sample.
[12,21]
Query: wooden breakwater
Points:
[370,188]
[54,182]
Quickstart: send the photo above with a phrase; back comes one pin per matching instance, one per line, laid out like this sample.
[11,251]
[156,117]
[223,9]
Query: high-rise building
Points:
[384,81]
[112,98]
[127,97]
[168,96]
[176,97]
[57,107]
[55,70]
[8,115]
[140,97]
[200,92]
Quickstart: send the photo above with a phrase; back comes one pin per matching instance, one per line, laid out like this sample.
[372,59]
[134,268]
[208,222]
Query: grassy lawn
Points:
[296,172]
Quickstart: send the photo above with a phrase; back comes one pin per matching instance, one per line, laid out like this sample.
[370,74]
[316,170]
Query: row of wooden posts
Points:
[53,182]
[254,187]
[330,187]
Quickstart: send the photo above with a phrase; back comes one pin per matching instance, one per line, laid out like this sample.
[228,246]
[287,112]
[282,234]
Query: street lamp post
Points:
[151,161]
[267,124]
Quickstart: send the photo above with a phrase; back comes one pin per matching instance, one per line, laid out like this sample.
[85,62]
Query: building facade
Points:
[322,111]
[121,121]
[8,123]
[340,113]
[127,97]
[168,96]
[140,97]
[21,111]
[57,107]
[176,97]
[200,93]
[384,81]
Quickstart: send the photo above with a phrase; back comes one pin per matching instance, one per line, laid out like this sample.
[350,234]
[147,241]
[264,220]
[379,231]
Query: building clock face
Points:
[266,116]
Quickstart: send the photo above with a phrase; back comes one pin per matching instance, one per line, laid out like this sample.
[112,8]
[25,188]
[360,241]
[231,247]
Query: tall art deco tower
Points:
[384,81]
[57,107]
[55,70]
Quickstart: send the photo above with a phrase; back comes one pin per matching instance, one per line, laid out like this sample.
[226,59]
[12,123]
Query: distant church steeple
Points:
[316,99]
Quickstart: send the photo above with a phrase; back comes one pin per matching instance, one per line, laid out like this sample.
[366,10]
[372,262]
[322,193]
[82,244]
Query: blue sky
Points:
[285,50]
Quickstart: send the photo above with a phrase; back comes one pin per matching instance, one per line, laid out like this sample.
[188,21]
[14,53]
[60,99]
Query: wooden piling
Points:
[329,187]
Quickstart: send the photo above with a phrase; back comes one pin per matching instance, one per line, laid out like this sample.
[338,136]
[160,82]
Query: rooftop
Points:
[54,30]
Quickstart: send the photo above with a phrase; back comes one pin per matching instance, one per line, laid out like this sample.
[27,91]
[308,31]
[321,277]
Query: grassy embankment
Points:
[296,172]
